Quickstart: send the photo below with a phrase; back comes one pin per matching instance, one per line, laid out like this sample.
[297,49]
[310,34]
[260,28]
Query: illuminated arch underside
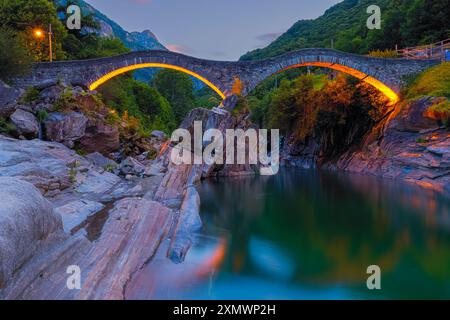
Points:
[119,71]
[388,92]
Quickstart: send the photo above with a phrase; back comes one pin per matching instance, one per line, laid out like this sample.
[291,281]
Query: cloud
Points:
[179,48]
[268,37]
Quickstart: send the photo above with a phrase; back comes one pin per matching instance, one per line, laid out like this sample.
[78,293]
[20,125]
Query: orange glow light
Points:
[117,72]
[388,92]
[38,33]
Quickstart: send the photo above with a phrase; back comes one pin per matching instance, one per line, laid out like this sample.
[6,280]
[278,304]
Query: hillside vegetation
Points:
[404,23]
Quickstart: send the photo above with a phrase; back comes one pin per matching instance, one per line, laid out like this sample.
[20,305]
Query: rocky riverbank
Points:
[409,143]
[108,218]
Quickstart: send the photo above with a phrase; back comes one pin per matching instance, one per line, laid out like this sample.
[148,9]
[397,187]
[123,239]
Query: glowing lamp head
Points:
[38,33]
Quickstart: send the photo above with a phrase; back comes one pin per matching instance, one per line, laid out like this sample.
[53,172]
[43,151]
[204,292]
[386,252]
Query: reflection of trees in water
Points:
[334,227]
[235,205]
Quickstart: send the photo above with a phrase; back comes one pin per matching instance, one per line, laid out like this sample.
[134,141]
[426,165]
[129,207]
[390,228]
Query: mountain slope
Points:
[135,41]
[404,23]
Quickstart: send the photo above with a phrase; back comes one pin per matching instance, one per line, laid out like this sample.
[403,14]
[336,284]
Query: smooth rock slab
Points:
[130,238]
[44,164]
[96,183]
[76,212]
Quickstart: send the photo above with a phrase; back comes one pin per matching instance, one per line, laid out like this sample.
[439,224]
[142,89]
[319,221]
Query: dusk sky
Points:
[213,29]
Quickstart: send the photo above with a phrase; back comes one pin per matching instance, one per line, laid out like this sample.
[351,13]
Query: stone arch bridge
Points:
[387,75]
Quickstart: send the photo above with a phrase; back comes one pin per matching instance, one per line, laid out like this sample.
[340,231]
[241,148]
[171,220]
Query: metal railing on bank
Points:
[438,50]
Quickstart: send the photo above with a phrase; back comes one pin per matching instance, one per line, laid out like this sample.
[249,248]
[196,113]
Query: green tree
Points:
[177,88]
[139,100]
[207,98]
[14,58]
[25,16]
[93,46]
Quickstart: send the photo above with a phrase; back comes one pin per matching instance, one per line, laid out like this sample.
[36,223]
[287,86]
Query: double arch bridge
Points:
[387,75]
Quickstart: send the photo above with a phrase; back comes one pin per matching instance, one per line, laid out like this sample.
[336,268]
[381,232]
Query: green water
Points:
[306,235]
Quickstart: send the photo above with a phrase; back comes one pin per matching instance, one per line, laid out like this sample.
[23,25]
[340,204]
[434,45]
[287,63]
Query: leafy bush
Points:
[30,95]
[383,54]
[7,127]
[42,115]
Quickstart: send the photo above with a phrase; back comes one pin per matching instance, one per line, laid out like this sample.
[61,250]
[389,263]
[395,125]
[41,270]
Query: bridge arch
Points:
[95,84]
[382,87]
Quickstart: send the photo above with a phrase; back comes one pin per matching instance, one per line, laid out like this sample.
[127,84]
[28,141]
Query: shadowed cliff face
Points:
[406,144]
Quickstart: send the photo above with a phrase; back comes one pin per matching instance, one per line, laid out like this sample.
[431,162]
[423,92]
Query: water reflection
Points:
[306,235]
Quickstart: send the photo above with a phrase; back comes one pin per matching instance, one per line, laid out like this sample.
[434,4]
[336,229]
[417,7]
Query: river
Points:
[312,235]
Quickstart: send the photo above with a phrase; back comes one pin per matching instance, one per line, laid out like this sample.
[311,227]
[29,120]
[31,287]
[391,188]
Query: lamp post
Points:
[50,42]
[39,34]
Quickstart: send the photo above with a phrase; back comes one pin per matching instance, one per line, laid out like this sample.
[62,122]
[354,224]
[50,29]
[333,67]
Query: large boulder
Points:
[65,128]
[26,220]
[26,123]
[8,99]
[100,137]
[51,94]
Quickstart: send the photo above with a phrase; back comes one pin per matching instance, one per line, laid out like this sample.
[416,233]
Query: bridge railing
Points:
[438,50]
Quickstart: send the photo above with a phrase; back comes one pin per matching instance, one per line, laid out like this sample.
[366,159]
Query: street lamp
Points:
[39,33]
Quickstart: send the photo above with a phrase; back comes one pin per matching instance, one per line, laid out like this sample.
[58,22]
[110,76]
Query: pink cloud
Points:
[179,48]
